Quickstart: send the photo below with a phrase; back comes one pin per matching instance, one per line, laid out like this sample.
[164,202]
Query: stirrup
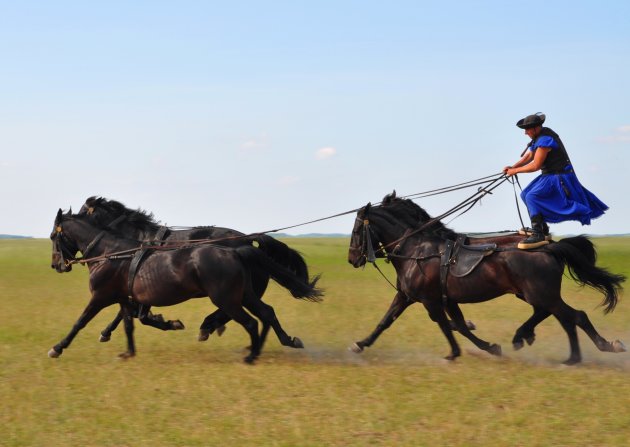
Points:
[531,242]
[528,232]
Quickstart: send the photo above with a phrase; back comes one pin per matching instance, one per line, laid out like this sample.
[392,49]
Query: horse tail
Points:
[282,254]
[579,255]
[299,287]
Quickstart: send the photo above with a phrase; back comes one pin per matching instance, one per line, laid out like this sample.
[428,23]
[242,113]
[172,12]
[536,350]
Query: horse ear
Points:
[393,194]
[59,216]
[367,207]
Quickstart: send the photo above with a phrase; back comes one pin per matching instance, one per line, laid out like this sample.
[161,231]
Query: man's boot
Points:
[546,231]
[537,238]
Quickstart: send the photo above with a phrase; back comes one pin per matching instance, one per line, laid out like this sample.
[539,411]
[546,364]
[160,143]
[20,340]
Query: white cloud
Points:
[325,152]
[622,135]
[258,143]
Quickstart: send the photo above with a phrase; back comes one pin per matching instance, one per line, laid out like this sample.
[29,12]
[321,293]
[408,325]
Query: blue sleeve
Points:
[544,141]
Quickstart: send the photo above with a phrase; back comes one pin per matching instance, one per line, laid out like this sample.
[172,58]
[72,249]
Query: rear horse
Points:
[167,276]
[421,250]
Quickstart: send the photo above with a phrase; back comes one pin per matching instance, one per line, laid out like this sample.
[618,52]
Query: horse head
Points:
[363,242]
[64,248]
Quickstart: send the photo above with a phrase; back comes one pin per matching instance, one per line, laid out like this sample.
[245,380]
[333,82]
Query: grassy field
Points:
[180,392]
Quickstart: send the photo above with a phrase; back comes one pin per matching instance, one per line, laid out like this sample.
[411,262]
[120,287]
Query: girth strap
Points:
[137,260]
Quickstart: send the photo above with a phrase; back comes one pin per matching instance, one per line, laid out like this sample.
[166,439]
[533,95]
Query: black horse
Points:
[167,276]
[140,225]
[416,245]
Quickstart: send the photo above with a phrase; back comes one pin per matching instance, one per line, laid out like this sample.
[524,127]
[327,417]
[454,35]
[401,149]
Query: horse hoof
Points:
[530,340]
[220,330]
[495,349]
[572,361]
[126,355]
[53,354]
[203,335]
[451,357]
[177,325]
[249,359]
[518,345]
[471,325]
[618,346]
[104,338]
[297,343]
[356,348]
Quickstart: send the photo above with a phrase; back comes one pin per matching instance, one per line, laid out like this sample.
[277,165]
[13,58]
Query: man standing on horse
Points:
[556,195]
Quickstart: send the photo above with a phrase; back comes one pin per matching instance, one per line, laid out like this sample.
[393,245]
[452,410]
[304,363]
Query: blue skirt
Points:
[561,197]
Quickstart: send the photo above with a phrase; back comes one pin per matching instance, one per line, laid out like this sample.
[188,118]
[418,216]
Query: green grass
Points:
[179,392]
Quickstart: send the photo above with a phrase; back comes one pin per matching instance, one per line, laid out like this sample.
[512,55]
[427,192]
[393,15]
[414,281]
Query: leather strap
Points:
[445,263]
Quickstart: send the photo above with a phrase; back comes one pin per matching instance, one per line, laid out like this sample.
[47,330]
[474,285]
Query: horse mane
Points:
[140,219]
[412,215]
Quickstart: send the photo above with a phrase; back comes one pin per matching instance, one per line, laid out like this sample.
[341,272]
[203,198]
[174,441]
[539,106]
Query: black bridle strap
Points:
[371,256]
[95,241]
[383,275]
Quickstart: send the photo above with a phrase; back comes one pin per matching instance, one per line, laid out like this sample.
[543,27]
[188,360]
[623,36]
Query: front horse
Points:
[416,246]
[140,225]
[166,277]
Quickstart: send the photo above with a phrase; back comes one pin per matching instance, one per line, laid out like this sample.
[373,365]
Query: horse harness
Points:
[457,259]
[139,256]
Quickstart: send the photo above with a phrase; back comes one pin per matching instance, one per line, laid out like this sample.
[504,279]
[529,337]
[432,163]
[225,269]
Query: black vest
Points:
[557,158]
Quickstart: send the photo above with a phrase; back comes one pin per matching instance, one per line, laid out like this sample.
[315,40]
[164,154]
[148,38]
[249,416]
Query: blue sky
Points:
[260,115]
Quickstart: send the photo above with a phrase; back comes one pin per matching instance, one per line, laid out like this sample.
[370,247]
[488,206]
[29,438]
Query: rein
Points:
[150,244]
[467,204]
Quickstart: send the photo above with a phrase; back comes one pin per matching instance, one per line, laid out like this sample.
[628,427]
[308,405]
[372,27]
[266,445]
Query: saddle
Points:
[460,259]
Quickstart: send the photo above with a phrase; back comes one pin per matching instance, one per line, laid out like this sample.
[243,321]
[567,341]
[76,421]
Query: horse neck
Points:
[84,233]
[128,229]
[133,232]
[388,233]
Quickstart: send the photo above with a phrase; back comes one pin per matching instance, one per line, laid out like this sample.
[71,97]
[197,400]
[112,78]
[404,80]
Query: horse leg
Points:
[260,280]
[156,321]
[94,307]
[106,334]
[270,314]
[214,322]
[267,316]
[525,333]
[249,323]
[396,308]
[148,319]
[567,316]
[128,323]
[436,313]
[458,318]
[602,344]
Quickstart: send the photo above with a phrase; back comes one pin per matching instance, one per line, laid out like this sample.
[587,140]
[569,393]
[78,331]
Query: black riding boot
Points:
[537,238]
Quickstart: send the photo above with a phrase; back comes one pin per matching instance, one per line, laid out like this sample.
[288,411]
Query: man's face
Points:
[533,132]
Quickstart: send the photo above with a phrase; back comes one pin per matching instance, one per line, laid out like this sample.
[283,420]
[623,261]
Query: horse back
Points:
[169,277]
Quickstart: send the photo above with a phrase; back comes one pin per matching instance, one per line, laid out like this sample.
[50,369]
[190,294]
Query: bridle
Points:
[367,248]
[60,241]
[67,255]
